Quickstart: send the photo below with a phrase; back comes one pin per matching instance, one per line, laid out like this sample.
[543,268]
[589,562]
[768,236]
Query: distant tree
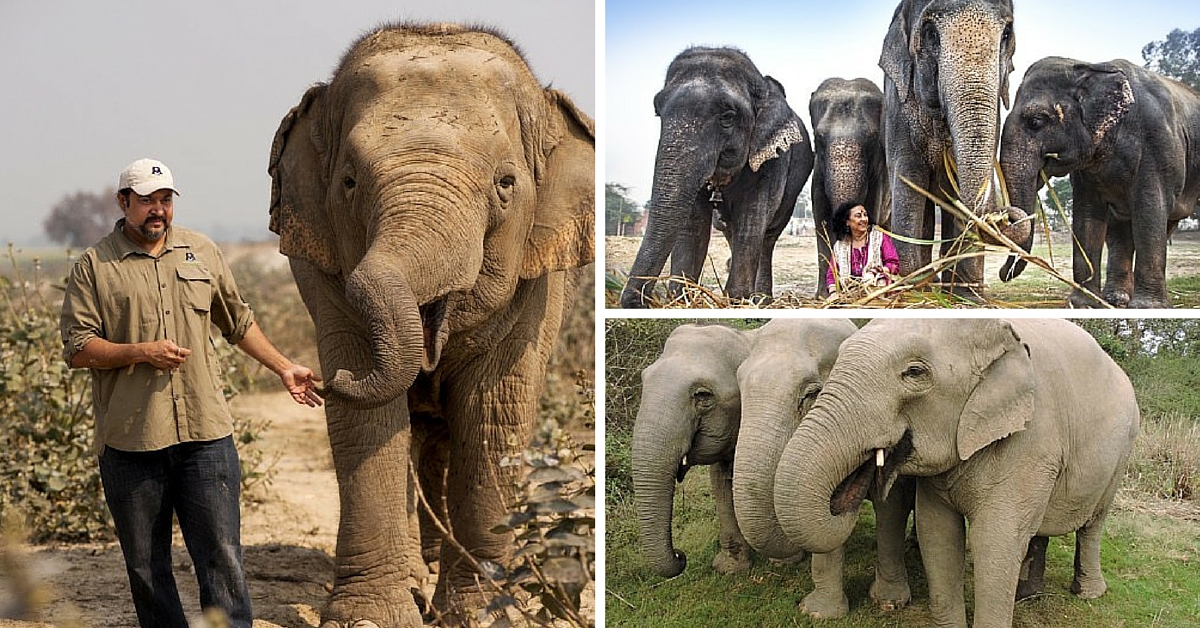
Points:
[1062,191]
[620,211]
[79,220]
[1177,56]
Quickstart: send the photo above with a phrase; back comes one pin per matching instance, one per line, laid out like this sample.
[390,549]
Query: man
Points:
[137,312]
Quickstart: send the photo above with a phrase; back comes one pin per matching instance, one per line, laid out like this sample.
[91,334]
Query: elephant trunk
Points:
[767,424]
[384,300]
[1021,164]
[827,467]
[658,461]
[678,175]
[846,173]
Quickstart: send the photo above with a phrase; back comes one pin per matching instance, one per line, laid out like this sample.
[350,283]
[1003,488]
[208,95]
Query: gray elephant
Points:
[946,65]
[1130,140]
[730,144]
[847,120]
[433,199]
[1021,427]
[788,363]
[689,415]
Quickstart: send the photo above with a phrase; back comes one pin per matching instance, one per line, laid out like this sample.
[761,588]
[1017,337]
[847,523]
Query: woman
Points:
[861,254]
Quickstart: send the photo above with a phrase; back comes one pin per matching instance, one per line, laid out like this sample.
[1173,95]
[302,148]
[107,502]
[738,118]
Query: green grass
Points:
[1151,565]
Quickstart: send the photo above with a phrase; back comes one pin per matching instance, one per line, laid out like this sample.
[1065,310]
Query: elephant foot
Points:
[825,604]
[732,560]
[1089,588]
[1149,302]
[1027,589]
[1117,298]
[1079,300]
[890,596]
[362,623]
[345,612]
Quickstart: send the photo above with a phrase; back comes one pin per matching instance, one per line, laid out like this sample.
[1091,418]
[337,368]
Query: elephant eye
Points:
[704,398]
[505,184]
[349,183]
[507,181]
[915,371]
[727,118]
[808,398]
[1037,121]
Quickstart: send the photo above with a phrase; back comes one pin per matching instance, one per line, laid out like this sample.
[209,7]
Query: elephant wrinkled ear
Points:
[563,235]
[1002,401]
[1105,96]
[896,59]
[298,187]
[776,127]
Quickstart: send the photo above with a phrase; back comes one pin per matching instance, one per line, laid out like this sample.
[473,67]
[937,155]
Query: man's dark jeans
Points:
[201,483]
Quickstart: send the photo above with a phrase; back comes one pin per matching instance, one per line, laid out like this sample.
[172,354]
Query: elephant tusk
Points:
[879,457]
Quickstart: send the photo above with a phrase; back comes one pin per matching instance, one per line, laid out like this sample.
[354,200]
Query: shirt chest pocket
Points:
[195,287]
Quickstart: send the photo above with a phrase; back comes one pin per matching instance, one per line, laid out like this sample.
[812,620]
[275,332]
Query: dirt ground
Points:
[795,266]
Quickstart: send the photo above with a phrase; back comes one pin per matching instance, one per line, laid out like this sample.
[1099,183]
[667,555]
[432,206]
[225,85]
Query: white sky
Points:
[803,42]
[90,86]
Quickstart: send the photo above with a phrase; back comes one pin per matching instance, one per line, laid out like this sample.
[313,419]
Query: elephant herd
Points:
[733,155]
[1020,427]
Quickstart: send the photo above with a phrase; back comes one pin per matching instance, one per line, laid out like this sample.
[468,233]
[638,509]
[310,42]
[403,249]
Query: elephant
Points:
[779,380]
[946,65]
[689,415]
[1130,141]
[436,296]
[847,121]
[1022,427]
[731,153]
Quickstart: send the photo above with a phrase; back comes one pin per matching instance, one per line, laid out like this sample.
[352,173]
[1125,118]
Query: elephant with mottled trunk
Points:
[689,415]
[779,380]
[730,144]
[1130,140]
[946,65]
[1020,427]
[847,120]
[435,202]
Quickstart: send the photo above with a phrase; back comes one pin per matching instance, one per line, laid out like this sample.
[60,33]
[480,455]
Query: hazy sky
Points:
[91,86]
[801,43]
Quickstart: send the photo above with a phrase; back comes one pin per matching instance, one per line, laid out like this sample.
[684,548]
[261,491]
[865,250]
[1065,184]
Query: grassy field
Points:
[1150,553]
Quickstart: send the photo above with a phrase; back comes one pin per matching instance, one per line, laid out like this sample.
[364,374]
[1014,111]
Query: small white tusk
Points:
[879,457]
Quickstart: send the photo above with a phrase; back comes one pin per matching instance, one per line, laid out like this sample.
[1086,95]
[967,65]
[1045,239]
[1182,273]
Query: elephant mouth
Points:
[873,478]
[433,332]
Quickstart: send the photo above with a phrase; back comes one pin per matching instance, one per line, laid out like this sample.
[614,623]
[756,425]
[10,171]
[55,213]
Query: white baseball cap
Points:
[145,176]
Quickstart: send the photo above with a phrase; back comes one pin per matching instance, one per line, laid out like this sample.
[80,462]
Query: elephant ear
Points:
[298,185]
[563,233]
[1002,401]
[776,127]
[896,60]
[1104,97]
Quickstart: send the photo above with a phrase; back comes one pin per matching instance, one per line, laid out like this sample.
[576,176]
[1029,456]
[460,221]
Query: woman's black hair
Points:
[837,222]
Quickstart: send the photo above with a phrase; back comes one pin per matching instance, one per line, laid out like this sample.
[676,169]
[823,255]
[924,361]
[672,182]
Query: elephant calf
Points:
[1130,141]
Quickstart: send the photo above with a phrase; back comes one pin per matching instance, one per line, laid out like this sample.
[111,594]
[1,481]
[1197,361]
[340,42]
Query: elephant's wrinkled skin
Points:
[1130,140]
[946,65]
[847,120]
[729,140]
[689,415]
[1021,427]
[434,201]
[779,380]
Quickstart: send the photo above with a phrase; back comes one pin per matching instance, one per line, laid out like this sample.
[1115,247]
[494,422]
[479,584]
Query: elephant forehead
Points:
[462,74]
[972,30]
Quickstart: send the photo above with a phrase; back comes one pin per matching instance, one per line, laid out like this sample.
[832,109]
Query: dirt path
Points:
[288,531]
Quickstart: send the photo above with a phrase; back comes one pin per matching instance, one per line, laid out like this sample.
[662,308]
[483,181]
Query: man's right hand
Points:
[166,355]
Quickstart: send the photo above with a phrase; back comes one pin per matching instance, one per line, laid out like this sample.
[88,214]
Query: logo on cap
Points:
[156,170]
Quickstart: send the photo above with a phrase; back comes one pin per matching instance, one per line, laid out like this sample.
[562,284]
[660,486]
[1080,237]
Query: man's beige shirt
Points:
[119,292]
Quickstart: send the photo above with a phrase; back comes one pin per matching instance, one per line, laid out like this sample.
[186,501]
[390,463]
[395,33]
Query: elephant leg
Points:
[942,535]
[749,228]
[377,565]
[997,547]
[691,247]
[1088,582]
[965,275]
[1033,569]
[1118,280]
[765,282]
[1149,238]
[828,599]
[734,555]
[1090,225]
[890,591]
[912,217]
